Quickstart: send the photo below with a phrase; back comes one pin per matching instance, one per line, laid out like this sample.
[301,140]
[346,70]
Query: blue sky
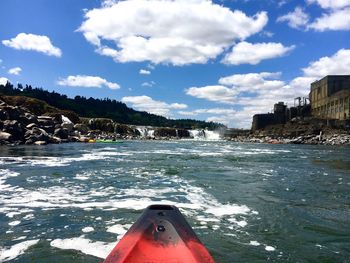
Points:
[211,60]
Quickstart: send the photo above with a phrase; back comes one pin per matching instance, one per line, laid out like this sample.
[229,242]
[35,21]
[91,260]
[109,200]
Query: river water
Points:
[246,202]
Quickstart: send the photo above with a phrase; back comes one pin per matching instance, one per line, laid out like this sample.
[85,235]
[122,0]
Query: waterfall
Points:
[212,135]
[145,132]
[142,131]
[204,135]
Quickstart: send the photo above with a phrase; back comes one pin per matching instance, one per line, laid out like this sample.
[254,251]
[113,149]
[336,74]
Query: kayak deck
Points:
[160,235]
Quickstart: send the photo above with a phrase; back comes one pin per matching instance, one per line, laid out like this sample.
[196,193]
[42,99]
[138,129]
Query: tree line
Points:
[103,108]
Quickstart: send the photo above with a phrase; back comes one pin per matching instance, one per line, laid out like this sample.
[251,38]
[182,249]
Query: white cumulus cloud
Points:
[87,82]
[252,93]
[332,4]
[252,81]
[335,20]
[15,71]
[33,42]
[296,19]
[217,93]
[144,72]
[3,81]
[146,103]
[337,64]
[248,53]
[167,31]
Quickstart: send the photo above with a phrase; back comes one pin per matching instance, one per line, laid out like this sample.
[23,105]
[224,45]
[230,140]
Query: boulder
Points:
[31,126]
[102,124]
[122,129]
[28,118]
[45,121]
[36,134]
[10,112]
[82,128]
[68,126]
[183,133]
[55,139]
[40,142]
[5,136]
[165,132]
[61,133]
[49,129]
[15,128]
[74,139]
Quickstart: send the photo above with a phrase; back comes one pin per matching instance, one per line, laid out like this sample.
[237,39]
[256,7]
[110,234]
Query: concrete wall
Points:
[260,121]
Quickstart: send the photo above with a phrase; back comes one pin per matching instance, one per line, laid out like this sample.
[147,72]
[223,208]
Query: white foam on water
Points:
[29,217]
[210,154]
[204,219]
[12,214]
[229,210]
[270,248]
[19,238]
[88,229]
[118,229]
[51,161]
[14,223]
[254,243]
[192,200]
[16,250]
[241,223]
[4,175]
[95,248]
[147,192]
[82,176]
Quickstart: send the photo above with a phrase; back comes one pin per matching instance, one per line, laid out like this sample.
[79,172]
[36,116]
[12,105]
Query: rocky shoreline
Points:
[329,139]
[18,125]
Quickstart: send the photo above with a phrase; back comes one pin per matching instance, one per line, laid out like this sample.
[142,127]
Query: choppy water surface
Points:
[246,202]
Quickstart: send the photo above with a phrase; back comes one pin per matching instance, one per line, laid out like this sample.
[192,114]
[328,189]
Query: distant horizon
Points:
[220,61]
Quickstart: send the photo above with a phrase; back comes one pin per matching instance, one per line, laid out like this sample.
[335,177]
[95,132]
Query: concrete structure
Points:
[279,116]
[330,98]
[280,112]
[260,121]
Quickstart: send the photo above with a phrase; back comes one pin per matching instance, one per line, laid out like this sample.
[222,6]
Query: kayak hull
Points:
[160,235]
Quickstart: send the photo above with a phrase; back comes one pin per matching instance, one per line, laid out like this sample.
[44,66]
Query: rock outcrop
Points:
[19,125]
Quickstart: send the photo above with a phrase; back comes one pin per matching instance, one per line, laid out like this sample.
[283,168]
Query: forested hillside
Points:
[102,108]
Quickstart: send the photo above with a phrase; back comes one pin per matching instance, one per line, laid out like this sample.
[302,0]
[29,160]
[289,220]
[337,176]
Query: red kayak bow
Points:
[160,235]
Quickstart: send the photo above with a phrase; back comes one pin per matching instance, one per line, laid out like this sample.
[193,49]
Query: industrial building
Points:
[278,116]
[330,98]
[282,114]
